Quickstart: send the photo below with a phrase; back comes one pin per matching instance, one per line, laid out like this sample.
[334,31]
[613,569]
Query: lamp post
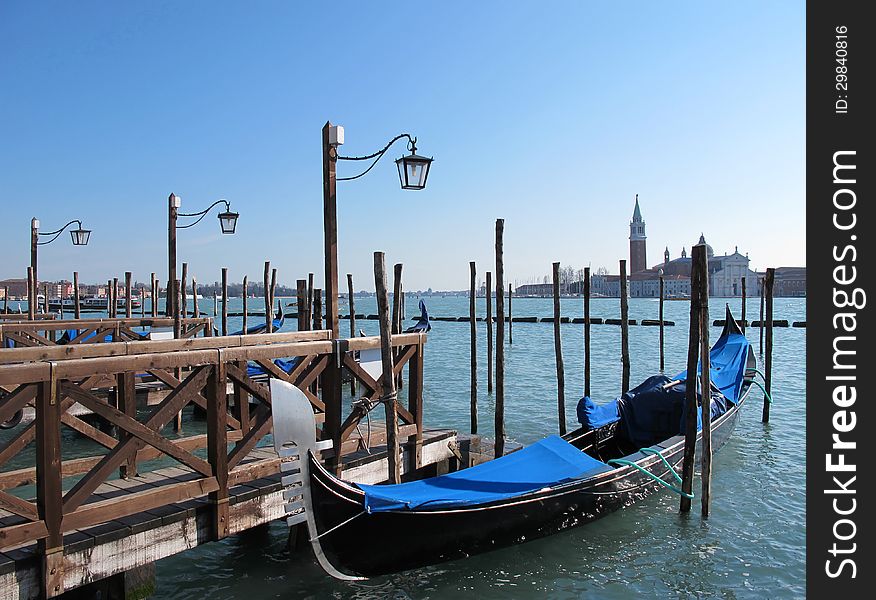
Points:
[228,225]
[78,236]
[413,171]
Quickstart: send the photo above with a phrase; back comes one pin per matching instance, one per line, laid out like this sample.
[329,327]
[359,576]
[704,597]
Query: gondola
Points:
[626,451]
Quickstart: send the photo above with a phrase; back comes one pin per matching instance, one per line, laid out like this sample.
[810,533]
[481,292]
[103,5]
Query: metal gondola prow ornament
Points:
[295,441]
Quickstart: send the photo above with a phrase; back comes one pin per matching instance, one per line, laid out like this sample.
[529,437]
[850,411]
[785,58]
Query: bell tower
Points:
[638,256]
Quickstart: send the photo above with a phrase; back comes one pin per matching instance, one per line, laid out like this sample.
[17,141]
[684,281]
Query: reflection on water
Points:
[753,542]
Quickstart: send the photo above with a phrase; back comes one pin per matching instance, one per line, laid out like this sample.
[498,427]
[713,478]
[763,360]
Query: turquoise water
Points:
[751,547]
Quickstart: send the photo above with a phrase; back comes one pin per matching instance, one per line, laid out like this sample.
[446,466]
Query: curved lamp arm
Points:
[57,232]
[203,213]
[412,146]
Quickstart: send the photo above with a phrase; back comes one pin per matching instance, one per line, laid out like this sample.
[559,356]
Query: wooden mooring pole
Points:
[273,292]
[129,300]
[301,301]
[317,308]
[269,322]
[701,262]
[31,295]
[473,347]
[5,299]
[558,353]
[143,301]
[625,328]
[77,310]
[215,303]
[693,354]
[396,309]
[310,301]
[388,381]
[353,380]
[586,331]
[154,280]
[768,359]
[245,303]
[488,297]
[744,298]
[510,320]
[183,291]
[224,300]
[197,310]
[661,324]
[500,339]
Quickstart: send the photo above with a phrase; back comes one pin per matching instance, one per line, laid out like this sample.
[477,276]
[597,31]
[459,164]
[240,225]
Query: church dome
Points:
[709,252]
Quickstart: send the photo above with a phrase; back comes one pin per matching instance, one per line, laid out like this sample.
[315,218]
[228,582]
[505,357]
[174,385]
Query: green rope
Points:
[629,463]
[763,389]
[762,376]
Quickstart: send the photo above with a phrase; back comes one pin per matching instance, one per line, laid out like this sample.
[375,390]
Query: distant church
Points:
[725,272]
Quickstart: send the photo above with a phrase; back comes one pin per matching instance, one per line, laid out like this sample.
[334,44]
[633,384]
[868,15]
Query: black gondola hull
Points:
[385,542]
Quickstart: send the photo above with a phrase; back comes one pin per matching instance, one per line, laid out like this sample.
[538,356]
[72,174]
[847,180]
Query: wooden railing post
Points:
[415,405]
[49,495]
[126,399]
[217,444]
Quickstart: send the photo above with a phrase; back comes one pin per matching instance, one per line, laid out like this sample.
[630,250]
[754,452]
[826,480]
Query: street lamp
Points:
[78,236]
[227,224]
[412,171]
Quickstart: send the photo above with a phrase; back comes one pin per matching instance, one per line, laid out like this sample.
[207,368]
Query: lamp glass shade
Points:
[228,221]
[413,171]
[80,236]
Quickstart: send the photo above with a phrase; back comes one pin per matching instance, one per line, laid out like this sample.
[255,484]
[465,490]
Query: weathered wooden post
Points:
[558,353]
[245,303]
[661,321]
[183,293]
[396,309]
[215,303]
[269,324]
[768,359]
[129,300]
[388,381]
[744,297]
[510,320]
[500,339]
[62,302]
[48,487]
[317,308]
[5,299]
[586,331]
[701,262]
[155,293]
[45,298]
[352,324]
[197,309]
[310,301]
[474,348]
[77,310]
[762,284]
[488,294]
[698,253]
[273,291]
[142,301]
[31,295]
[111,299]
[224,300]
[625,328]
[301,301]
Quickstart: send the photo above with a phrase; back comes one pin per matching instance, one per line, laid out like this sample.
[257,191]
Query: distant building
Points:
[638,251]
[790,281]
[17,287]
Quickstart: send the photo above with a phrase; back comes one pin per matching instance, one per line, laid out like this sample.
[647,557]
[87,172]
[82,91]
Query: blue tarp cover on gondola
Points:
[594,416]
[728,359]
[545,463]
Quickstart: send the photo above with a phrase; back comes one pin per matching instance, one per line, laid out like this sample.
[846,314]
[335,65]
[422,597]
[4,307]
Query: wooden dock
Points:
[70,520]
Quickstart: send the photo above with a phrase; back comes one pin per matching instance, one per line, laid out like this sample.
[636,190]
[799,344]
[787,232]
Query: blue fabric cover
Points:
[728,358]
[545,463]
[276,324]
[286,364]
[594,416]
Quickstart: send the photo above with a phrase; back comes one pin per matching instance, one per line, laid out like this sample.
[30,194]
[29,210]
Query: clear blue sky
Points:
[552,115]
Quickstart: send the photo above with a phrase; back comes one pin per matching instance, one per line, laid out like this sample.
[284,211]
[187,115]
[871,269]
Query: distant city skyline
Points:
[553,120]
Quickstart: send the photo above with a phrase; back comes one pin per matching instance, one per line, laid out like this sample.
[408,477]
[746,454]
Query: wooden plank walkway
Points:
[100,551]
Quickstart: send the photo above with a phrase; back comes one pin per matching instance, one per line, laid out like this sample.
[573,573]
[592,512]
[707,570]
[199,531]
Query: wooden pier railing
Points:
[210,373]
[89,331]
